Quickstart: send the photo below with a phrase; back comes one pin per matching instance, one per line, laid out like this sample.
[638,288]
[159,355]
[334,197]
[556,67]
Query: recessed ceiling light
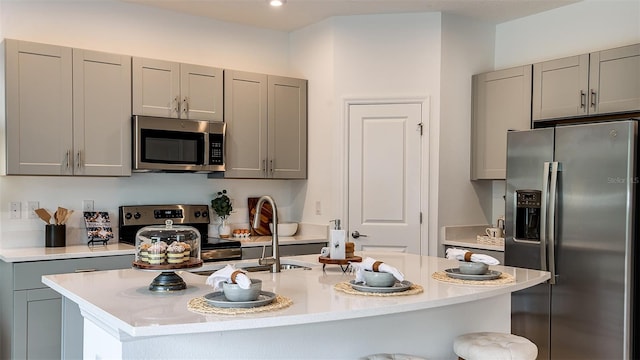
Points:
[277,3]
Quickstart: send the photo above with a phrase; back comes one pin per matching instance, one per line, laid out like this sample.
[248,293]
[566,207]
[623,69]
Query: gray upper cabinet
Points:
[68,111]
[602,82]
[266,120]
[170,89]
[501,102]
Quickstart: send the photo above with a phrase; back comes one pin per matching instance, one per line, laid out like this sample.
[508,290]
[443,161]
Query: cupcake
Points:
[175,253]
[157,253]
[143,252]
[187,250]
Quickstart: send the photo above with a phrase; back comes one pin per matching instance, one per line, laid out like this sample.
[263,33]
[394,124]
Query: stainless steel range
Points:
[135,217]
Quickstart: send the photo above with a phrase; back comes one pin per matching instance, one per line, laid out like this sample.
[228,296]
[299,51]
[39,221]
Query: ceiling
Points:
[296,14]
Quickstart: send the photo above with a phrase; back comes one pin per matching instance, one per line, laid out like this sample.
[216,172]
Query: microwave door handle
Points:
[543,215]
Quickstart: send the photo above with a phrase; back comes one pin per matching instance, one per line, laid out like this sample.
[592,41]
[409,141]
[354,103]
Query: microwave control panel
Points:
[216,146]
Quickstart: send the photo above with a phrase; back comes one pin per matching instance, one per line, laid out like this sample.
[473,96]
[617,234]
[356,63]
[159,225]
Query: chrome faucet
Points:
[274,260]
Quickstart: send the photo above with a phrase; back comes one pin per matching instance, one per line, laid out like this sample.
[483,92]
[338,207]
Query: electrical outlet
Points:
[15,209]
[31,209]
[87,205]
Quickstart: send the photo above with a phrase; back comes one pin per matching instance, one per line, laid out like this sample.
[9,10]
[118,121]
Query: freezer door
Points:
[594,227]
[527,151]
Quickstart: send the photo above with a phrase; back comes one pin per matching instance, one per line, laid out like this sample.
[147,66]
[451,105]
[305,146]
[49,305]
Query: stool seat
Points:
[494,346]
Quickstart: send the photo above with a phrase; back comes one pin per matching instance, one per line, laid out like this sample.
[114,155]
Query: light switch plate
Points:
[31,209]
[15,209]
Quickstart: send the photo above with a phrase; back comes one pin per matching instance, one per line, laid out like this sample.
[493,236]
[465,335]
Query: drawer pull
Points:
[85,270]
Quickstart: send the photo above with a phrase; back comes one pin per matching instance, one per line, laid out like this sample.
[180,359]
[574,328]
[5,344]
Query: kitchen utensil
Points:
[60,214]
[66,217]
[456,274]
[399,286]
[44,215]
[219,300]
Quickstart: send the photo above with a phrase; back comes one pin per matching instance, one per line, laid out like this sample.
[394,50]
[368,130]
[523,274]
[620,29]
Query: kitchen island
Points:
[122,319]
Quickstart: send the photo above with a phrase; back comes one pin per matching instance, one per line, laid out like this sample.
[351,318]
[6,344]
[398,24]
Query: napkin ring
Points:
[467,256]
[376,265]
[234,275]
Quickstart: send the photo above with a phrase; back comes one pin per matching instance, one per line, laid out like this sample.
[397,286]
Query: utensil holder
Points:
[55,235]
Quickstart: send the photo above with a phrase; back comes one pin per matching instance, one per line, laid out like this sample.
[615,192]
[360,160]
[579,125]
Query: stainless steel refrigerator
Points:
[571,210]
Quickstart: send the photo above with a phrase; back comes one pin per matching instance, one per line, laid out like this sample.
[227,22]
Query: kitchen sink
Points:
[255,267]
[268,267]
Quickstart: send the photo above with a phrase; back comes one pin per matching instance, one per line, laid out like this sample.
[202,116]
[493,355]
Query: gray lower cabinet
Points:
[255,252]
[31,313]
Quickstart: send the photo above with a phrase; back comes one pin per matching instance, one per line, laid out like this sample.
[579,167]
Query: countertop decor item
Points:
[222,206]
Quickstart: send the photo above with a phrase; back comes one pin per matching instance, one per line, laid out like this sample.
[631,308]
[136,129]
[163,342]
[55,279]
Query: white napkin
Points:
[367,264]
[224,275]
[458,254]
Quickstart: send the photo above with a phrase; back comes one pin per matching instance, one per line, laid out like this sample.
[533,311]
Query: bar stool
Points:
[494,346]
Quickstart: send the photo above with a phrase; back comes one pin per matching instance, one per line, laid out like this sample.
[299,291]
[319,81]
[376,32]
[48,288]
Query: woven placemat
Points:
[503,279]
[200,305]
[346,287]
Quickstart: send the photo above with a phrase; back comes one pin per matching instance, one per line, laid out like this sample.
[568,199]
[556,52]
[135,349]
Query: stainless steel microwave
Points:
[177,145]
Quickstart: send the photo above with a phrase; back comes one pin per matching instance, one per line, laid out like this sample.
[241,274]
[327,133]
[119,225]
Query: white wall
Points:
[140,31]
[579,28]
[467,49]
[362,57]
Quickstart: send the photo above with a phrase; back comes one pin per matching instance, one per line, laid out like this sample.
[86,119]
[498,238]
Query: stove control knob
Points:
[137,215]
[205,214]
[197,214]
[128,216]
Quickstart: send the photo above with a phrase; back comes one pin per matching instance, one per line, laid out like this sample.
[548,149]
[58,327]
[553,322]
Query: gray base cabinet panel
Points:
[31,314]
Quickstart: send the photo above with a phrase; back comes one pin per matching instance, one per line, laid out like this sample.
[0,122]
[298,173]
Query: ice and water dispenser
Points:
[528,214]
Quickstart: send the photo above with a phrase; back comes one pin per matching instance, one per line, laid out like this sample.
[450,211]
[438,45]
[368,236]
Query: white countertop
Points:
[84,251]
[120,302]
[64,252]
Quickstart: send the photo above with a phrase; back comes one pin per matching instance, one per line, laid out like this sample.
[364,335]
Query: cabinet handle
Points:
[69,159]
[264,165]
[78,159]
[583,99]
[593,98]
[176,106]
[271,166]
[185,105]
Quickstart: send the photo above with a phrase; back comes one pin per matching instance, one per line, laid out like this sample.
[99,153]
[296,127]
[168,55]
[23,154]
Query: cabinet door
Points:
[38,320]
[287,128]
[246,118]
[38,108]
[501,102]
[614,80]
[560,88]
[201,93]
[156,87]
[101,113]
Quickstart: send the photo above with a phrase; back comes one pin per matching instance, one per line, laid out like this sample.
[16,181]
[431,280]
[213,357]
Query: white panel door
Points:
[384,176]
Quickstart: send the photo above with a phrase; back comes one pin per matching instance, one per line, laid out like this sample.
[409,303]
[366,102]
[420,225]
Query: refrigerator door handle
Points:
[543,215]
[553,186]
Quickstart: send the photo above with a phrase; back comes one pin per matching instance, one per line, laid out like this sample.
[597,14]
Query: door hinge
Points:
[420,127]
